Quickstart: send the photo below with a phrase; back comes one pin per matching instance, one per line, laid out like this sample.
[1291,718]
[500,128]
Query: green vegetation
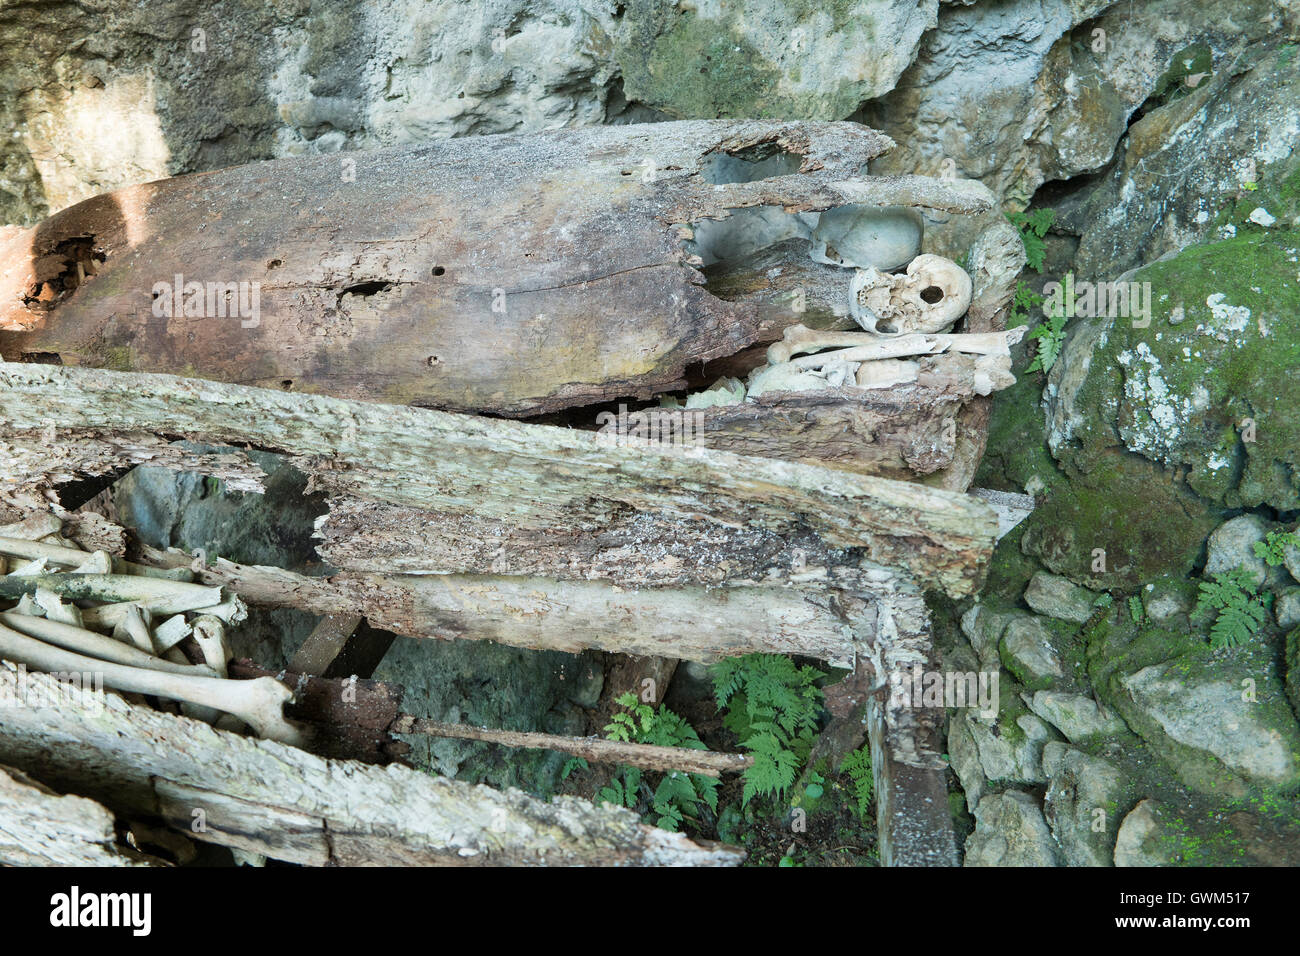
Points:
[772,706]
[1051,336]
[858,767]
[1272,550]
[1234,599]
[678,796]
[1033,227]
[1135,610]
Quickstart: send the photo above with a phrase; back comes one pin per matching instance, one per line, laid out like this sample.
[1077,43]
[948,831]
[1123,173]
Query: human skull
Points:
[930,296]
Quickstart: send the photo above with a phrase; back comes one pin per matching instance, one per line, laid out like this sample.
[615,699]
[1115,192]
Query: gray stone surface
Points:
[1082,805]
[1206,713]
[1137,843]
[1010,831]
[1286,607]
[1077,716]
[1232,546]
[1029,652]
[1056,597]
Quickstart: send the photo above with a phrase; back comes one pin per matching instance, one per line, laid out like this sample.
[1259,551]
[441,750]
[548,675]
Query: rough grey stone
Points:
[1027,647]
[1010,831]
[1207,713]
[1082,804]
[1056,597]
[1010,750]
[1077,716]
[1232,546]
[1287,608]
[1136,844]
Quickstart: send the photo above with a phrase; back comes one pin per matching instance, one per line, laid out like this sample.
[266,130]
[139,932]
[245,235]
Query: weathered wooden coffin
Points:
[510,275]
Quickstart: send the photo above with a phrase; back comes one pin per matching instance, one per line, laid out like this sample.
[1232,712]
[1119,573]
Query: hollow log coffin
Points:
[504,274]
[510,275]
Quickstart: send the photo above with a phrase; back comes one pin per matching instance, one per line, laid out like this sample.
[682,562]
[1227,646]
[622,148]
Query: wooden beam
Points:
[524,476]
[38,827]
[290,805]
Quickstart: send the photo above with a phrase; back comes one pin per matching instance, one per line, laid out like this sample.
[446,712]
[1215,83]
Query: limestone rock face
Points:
[1205,162]
[773,58]
[1019,94]
[1010,831]
[1205,716]
[141,91]
[1082,805]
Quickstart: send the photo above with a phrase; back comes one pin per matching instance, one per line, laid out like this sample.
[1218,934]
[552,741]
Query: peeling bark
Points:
[694,623]
[290,805]
[40,828]
[525,476]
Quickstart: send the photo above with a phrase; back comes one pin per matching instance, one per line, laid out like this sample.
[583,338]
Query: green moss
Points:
[1293,669]
[1178,391]
[1145,523]
[698,67]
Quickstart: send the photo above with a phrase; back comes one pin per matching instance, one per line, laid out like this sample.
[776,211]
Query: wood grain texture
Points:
[383,287]
[38,827]
[291,805]
[524,476]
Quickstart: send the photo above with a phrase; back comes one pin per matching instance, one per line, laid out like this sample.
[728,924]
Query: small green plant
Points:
[1023,303]
[1033,227]
[572,764]
[858,766]
[1272,550]
[1234,600]
[1051,336]
[1136,611]
[1104,601]
[678,796]
[772,706]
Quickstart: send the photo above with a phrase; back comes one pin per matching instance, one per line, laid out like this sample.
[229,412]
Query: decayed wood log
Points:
[506,274]
[596,749]
[912,817]
[690,622]
[525,476]
[40,828]
[290,805]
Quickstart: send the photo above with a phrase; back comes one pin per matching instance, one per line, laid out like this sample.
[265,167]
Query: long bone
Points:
[71,557]
[798,339]
[157,595]
[90,644]
[259,702]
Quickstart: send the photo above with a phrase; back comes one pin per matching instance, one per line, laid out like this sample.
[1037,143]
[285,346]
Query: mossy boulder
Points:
[1163,429]
[1208,390]
[1160,834]
[1218,719]
[780,58]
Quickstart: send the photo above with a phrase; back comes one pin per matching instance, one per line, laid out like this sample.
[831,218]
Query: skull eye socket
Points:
[931,294]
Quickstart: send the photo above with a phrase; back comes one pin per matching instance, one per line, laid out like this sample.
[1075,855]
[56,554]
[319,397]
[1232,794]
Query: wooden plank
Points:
[324,644]
[290,805]
[525,476]
[38,827]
